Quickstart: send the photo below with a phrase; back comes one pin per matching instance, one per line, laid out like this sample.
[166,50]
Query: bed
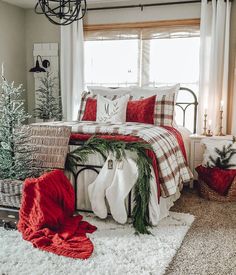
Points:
[86,173]
[160,199]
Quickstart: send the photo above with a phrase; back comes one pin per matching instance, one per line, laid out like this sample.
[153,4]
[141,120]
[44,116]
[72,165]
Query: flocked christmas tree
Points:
[48,105]
[224,156]
[16,156]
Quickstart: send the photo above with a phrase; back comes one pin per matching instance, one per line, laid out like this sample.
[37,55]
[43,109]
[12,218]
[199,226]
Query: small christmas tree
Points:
[224,157]
[16,157]
[48,107]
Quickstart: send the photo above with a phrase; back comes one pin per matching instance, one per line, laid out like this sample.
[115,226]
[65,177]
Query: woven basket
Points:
[207,193]
[10,192]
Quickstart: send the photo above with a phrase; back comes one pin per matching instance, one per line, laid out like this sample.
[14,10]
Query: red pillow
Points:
[90,112]
[141,110]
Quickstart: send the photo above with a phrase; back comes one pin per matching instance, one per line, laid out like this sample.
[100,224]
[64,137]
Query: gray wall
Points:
[37,30]
[12,43]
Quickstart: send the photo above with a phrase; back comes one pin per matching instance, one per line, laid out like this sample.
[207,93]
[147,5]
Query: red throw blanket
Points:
[46,217]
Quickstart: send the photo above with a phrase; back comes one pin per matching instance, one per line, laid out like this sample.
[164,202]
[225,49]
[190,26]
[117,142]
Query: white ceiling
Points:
[31,3]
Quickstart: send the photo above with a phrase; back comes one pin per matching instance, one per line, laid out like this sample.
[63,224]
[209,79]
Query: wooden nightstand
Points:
[197,151]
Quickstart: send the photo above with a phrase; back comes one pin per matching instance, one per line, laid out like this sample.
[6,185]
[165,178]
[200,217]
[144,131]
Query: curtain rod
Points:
[142,6]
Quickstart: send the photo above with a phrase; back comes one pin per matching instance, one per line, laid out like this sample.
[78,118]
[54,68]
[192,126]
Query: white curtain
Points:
[72,68]
[214,61]
[234,104]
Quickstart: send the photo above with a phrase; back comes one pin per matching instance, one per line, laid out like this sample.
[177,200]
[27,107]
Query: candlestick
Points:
[221,124]
[205,124]
[209,132]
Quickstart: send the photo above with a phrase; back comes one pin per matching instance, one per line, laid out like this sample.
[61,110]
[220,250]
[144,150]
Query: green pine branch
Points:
[224,157]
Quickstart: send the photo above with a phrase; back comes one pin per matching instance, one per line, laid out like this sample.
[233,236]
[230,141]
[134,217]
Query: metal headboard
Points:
[185,105]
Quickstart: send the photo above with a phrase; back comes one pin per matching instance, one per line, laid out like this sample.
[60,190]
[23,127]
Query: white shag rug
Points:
[117,250]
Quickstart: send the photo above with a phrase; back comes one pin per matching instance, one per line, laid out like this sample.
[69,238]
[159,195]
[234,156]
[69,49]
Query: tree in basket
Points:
[49,106]
[16,156]
[224,156]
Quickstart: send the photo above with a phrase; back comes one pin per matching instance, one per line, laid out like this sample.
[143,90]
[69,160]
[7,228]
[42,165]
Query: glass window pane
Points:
[174,60]
[111,63]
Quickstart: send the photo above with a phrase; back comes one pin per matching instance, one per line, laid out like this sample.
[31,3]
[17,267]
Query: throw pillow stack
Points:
[134,104]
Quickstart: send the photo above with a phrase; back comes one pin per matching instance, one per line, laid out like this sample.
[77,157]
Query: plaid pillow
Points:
[164,110]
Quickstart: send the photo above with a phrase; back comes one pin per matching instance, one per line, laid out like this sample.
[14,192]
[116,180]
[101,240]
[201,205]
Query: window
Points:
[111,63]
[144,57]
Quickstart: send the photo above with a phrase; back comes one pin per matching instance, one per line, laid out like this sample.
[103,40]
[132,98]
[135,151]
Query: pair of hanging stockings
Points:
[114,182]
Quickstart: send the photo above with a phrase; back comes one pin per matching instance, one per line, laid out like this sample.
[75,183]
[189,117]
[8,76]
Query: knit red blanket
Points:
[46,217]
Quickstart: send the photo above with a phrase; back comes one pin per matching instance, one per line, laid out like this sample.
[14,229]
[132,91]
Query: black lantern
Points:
[37,68]
[61,12]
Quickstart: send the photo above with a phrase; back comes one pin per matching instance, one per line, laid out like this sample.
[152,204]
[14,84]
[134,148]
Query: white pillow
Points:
[112,110]
[150,91]
[135,91]
[105,91]
[210,145]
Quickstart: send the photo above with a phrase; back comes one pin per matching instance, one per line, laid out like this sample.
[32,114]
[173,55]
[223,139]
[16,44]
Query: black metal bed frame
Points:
[185,105]
[83,167]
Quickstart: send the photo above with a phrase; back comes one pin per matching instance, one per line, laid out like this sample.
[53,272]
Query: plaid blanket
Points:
[172,165]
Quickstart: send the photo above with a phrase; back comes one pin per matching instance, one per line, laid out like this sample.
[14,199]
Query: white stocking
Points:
[96,190]
[124,179]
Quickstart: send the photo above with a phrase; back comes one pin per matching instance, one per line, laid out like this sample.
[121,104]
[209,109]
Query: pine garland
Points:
[140,214]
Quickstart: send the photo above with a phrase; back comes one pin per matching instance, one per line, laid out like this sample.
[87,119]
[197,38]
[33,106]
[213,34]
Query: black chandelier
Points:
[61,12]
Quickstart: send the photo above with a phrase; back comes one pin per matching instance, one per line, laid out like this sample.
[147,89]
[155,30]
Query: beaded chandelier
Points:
[61,12]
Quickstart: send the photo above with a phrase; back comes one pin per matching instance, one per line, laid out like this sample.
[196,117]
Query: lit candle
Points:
[205,111]
[209,123]
[221,105]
